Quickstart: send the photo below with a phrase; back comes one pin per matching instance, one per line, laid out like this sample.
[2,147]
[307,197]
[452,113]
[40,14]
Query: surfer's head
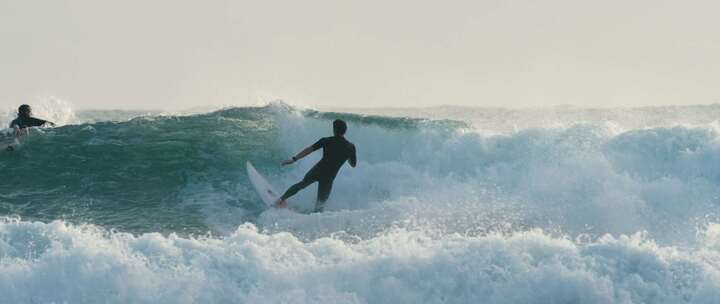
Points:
[24,111]
[339,127]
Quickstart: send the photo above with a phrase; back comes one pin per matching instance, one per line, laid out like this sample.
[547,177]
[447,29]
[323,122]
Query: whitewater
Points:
[446,205]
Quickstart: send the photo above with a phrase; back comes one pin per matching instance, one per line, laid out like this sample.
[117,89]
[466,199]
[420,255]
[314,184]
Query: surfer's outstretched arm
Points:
[353,156]
[300,155]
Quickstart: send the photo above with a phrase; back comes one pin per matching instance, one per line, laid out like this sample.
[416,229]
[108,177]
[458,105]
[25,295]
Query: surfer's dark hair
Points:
[339,127]
[24,110]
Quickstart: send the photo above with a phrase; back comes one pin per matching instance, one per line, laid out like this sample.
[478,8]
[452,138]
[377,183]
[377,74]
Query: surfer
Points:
[25,119]
[336,150]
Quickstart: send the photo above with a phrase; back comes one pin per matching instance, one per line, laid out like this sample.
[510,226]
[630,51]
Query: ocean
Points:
[446,205]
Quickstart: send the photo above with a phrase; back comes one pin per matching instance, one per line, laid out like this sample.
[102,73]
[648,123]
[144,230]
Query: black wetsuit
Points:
[25,122]
[336,150]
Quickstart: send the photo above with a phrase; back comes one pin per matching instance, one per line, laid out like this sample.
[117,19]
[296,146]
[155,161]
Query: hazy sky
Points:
[179,54]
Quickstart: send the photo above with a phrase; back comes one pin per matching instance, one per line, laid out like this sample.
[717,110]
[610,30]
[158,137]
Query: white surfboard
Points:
[263,188]
[10,138]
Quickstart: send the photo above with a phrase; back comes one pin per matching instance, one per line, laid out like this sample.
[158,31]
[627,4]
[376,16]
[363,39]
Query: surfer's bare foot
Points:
[281,204]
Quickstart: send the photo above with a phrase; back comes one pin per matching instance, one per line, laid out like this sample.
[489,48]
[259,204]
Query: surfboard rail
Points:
[262,186]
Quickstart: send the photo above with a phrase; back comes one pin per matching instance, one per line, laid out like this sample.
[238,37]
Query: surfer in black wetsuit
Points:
[25,119]
[336,150]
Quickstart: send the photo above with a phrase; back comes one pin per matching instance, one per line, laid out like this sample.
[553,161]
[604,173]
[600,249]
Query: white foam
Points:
[580,179]
[57,262]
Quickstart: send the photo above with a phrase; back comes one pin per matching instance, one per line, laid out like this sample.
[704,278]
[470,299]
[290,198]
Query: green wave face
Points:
[130,175]
[145,174]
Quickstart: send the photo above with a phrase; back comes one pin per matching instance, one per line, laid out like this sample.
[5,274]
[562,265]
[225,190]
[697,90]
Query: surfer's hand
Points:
[287,162]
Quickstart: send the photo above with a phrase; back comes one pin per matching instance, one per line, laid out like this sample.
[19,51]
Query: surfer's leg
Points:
[296,187]
[324,189]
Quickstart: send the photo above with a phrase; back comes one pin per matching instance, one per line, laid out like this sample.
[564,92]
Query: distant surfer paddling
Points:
[25,119]
[336,151]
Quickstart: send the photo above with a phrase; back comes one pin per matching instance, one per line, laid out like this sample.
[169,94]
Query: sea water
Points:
[559,205]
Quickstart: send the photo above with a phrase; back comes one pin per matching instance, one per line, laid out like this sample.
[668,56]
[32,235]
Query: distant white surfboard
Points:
[263,188]
[11,138]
